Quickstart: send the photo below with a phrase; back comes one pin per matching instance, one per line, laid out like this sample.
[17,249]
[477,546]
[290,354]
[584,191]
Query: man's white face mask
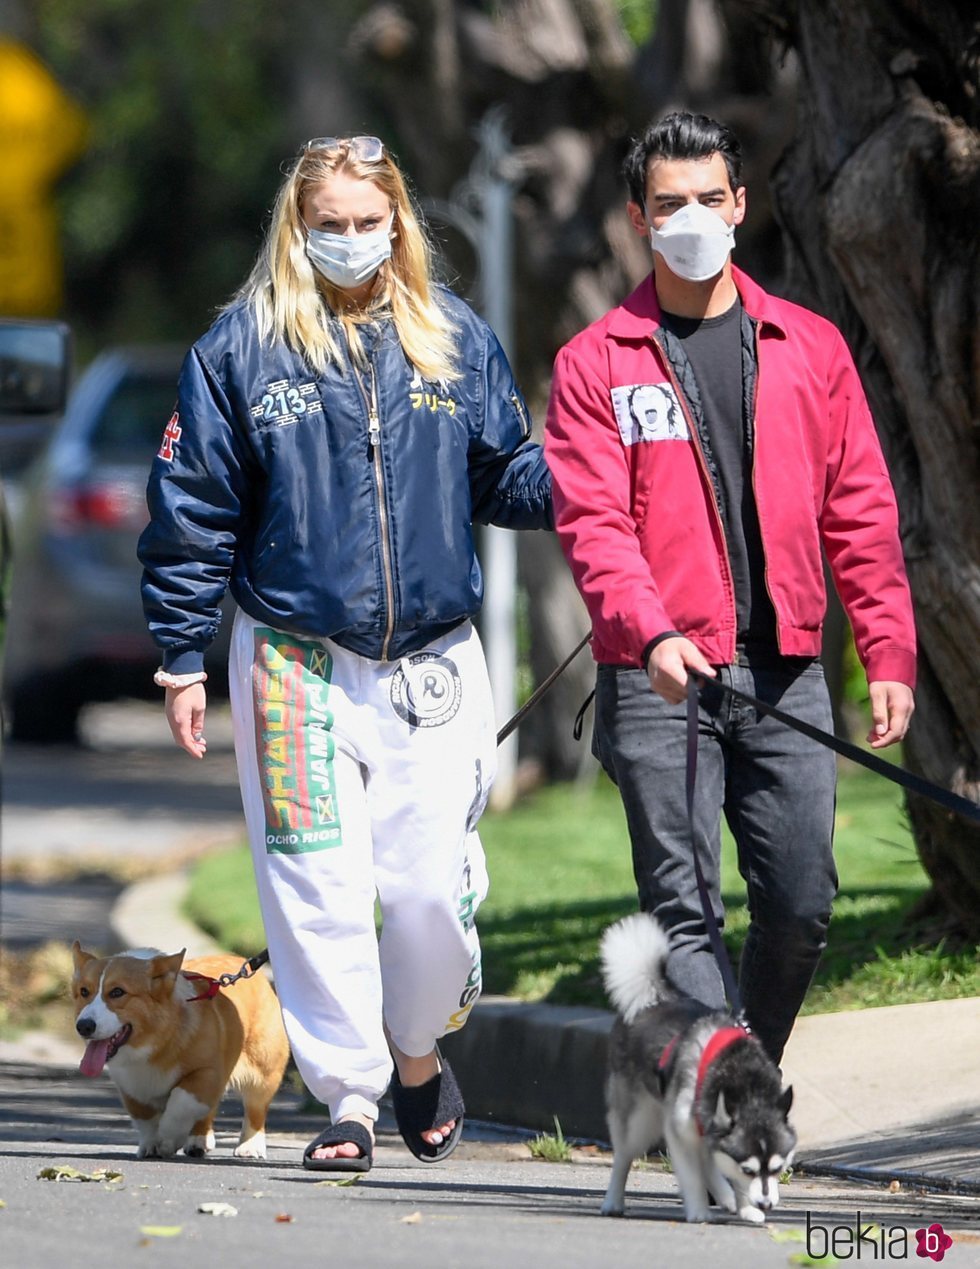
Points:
[695,242]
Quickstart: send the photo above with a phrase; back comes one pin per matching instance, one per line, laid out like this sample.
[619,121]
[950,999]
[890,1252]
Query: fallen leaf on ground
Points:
[161,1231]
[348,1180]
[62,1172]
[786,1235]
[414,1219]
[283,1218]
[218,1209]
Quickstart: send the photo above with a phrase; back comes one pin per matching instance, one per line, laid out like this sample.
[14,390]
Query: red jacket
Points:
[638,520]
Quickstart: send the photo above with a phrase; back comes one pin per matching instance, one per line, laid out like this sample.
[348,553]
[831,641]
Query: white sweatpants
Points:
[359,779]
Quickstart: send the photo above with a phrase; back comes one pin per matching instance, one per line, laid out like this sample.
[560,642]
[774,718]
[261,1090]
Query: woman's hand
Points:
[185,714]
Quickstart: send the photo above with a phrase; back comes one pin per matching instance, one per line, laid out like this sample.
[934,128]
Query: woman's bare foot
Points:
[413,1071]
[347,1149]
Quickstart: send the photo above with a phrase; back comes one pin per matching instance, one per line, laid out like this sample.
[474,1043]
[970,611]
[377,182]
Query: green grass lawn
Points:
[560,873]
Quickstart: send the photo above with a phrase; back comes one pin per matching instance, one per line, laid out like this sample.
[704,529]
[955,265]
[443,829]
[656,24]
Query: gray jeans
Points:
[777,790]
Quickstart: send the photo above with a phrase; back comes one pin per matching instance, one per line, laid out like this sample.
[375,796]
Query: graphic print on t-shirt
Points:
[649,412]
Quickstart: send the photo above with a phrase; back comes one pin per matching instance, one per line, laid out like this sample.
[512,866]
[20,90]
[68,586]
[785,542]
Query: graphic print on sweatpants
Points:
[294,742]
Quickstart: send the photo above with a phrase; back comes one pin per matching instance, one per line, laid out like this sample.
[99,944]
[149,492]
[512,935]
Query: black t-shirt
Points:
[713,347]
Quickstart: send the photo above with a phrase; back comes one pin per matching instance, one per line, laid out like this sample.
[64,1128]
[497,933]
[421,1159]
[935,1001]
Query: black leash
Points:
[250,966]
[540,690]
[898,775]
[711,925]
[246,971]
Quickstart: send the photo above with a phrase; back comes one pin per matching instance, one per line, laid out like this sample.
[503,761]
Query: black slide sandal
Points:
[337,1135]
[419,1109]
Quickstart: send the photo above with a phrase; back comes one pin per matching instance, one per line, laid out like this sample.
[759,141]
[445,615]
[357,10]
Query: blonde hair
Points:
[295,303]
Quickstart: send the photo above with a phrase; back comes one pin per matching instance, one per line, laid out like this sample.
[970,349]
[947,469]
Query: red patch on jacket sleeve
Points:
[171,435]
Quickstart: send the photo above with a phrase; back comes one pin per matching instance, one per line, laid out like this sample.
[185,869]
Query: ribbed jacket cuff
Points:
[667,634]
[183,661]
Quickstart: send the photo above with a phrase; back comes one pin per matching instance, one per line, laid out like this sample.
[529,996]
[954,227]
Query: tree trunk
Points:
[879,195]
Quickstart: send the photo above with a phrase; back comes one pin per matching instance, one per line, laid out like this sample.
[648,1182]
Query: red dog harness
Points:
[718,1041]
[209,992]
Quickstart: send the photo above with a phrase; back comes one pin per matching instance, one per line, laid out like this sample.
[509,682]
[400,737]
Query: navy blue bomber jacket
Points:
[338,505]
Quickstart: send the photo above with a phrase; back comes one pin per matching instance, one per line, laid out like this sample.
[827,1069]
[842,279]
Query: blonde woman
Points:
[338,431]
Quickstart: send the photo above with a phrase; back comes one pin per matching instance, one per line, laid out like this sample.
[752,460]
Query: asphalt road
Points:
[76,819]
[489,1206]
[127,794]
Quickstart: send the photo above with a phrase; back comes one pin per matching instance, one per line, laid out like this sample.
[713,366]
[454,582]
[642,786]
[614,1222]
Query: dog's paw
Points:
[697,1215]
[147,1150]
[724,1196]
[196,1147]
[253,1148]
[167,1147]
[753,1215]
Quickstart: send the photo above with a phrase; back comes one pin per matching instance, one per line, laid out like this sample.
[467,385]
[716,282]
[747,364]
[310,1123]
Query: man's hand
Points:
[185,714]
[891,712]
[668,665]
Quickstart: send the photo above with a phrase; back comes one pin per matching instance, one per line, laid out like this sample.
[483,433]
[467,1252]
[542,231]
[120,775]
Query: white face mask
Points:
[349,261]
[695,242]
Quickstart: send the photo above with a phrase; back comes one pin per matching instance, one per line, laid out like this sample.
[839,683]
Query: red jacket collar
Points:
[640,311]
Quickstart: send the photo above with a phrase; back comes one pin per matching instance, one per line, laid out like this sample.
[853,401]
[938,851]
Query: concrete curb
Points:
[530,1064]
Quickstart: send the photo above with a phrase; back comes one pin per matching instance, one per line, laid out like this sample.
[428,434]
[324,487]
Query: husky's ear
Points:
[786,1100]
[722,1119]
[163,971]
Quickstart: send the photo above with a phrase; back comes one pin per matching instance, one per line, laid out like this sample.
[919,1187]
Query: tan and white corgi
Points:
[172,1050]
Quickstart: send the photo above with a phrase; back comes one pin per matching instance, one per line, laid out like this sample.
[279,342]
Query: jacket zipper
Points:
[374,438]
[525,423]
[702,461]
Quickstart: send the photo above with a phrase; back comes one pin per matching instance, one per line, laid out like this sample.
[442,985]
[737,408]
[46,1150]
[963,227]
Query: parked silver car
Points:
[77,630]
[34,360]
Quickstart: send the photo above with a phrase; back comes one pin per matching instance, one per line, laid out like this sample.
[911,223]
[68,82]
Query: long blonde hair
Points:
[295,303]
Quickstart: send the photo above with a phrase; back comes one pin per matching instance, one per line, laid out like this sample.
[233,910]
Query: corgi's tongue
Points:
[94,1058]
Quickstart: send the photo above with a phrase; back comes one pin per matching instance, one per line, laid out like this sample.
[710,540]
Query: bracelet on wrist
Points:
[163,678]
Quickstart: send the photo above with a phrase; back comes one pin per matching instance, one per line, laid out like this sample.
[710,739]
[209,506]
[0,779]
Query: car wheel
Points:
[44,709]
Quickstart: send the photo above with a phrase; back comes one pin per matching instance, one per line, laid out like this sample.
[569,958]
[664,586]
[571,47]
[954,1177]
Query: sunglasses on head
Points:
[367,149]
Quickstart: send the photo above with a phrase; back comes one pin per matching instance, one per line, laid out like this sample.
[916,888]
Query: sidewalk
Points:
[881,1095]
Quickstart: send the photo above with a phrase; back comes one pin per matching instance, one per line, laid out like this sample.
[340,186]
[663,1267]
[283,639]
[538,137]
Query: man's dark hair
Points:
[681,136]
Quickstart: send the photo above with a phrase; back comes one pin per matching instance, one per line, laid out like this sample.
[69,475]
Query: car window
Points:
[134,417]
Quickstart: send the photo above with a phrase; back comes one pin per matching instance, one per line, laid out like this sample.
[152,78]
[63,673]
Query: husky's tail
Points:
[634,952]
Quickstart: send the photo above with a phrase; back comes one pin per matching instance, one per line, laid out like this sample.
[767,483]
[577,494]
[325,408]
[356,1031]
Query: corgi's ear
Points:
[163,971]
[723,1120]
[786,1100]
[80,958]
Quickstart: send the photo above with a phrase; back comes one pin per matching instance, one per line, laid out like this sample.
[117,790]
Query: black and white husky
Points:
[681,1072]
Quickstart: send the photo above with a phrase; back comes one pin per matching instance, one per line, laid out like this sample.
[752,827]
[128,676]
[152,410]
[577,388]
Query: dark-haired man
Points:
[699,547]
